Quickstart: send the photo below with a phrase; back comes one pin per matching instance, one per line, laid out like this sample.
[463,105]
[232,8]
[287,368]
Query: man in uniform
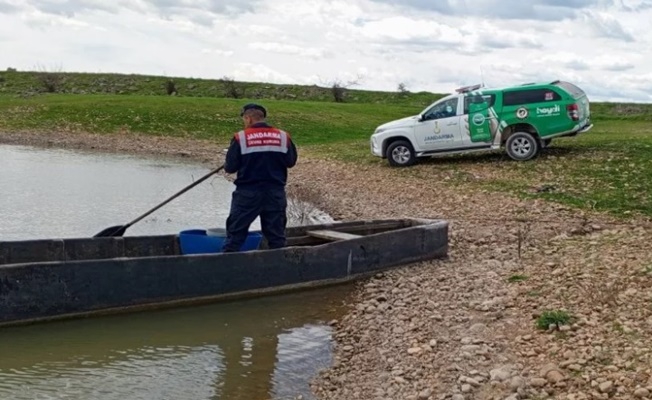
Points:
[261,155]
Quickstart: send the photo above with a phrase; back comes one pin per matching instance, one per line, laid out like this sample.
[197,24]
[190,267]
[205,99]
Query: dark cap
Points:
[253,106]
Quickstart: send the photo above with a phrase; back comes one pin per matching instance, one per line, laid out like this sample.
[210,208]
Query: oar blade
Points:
[118,230]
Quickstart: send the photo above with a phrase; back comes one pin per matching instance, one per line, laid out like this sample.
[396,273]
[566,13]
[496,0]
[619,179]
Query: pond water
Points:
[48,193]
[265,348]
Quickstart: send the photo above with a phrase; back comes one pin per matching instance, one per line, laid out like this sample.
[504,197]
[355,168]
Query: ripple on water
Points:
[169,373]
[302,352]
[238,351]
[269,348]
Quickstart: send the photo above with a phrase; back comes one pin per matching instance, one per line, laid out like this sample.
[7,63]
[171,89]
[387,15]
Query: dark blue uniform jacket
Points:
[261,155]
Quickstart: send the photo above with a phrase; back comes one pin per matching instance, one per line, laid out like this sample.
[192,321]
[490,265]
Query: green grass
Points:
[608,168]
[26,83]
[517,278]
[557,317]
[309,123]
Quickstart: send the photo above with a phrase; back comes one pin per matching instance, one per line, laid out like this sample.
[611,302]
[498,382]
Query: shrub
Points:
[556,317]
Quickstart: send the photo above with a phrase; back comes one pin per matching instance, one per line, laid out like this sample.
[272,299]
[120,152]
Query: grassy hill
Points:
[205,108]
[610,168]
[28,83]
[309,122]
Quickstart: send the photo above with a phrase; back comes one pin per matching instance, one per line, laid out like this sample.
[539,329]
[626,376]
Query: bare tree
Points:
[402,90]
[170,87]
[232,88]
[339,88]
[51,80]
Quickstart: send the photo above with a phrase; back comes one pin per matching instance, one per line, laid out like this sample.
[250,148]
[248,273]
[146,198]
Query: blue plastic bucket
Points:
[197,241]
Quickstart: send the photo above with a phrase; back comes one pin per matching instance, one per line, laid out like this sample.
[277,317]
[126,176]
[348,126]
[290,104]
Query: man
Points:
[261,155]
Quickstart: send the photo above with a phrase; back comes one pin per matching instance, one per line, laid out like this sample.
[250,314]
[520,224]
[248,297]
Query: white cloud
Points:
[607,26]
[431,45]
[290,49]
[39,19]
[404,30]
[257,72]
[219,52]
[502,9]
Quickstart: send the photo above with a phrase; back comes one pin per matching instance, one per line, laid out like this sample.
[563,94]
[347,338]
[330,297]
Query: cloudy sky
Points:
[605,46]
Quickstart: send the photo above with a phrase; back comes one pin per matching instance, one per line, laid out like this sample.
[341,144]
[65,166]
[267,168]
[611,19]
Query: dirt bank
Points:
[465,327]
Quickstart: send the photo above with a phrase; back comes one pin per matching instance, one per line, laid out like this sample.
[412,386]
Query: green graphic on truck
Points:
[479,126]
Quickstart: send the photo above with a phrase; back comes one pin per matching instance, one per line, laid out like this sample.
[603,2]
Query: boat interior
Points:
[97,248]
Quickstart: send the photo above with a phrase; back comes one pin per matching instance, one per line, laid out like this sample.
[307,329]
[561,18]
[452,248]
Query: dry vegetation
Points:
[305,204]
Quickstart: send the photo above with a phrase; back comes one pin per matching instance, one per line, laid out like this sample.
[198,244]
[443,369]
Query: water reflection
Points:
[267,348]
[61,193]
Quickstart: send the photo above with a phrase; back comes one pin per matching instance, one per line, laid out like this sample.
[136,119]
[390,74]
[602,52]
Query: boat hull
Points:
[46,290]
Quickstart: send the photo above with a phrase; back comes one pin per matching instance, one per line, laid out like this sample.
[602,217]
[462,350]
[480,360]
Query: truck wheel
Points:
[522,146]
[400,154]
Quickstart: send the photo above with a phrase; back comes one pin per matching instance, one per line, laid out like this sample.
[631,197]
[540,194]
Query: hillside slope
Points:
[607,169]
[28,83]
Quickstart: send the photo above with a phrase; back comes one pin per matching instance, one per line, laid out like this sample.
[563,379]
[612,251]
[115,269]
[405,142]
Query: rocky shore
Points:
[466,327]
[535,301]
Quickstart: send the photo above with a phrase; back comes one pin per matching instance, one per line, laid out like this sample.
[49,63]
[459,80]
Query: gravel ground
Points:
[465,327]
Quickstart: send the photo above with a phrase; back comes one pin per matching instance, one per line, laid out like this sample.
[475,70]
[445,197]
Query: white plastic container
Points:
[221,232]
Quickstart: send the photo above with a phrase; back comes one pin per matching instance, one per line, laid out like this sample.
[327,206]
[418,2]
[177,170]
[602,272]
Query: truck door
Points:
[479,118]
[440,127]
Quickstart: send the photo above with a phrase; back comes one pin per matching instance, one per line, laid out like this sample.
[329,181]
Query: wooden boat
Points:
[63,278]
